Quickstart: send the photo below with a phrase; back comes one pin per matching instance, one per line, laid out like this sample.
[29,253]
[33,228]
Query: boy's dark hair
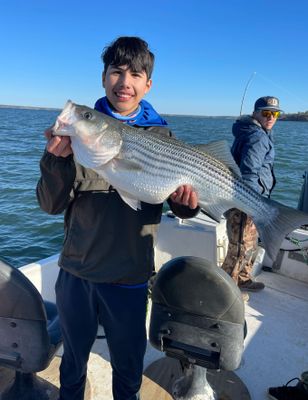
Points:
[131,51]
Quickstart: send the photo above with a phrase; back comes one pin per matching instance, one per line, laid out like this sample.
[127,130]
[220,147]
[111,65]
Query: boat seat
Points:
[29,333]
[197,314]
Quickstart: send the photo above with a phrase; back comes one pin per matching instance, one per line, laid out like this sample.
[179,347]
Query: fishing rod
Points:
[282,88]
[245,91]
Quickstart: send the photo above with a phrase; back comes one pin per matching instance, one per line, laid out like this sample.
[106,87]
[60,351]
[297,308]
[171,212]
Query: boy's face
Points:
[125,88]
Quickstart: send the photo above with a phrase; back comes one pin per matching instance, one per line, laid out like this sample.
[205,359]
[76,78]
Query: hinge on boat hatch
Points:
[162,333]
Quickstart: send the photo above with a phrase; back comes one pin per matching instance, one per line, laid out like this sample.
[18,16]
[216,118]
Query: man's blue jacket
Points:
[253,151]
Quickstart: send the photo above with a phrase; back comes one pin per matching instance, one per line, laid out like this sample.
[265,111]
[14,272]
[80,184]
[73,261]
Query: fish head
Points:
[93,134]
[77,120]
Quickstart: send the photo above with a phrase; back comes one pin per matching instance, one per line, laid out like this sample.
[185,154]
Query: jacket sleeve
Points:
[253,154]
[55,186]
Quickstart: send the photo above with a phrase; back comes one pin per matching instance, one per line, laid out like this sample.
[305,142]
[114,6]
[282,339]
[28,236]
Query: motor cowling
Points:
[197,314]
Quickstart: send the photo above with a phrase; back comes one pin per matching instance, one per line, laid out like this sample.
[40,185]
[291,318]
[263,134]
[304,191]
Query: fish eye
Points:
[87,115]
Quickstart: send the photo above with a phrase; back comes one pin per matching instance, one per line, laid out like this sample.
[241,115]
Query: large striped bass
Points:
[147,167]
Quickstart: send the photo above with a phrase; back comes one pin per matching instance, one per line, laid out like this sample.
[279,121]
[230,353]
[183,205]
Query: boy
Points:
[107,256]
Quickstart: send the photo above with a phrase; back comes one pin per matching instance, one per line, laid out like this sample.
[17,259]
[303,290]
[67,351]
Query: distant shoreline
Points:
[30,107]
[163,114]
[299,117]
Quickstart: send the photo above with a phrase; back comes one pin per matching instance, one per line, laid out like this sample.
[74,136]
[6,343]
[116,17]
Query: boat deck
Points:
[276,345]
[275,348]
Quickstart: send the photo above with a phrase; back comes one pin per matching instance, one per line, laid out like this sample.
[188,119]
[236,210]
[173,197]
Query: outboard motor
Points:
[197,315]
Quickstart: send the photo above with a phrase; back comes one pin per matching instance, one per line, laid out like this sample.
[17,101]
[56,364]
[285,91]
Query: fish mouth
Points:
[63,124]
[61,128]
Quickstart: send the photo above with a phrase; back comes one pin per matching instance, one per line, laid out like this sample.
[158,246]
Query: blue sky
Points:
[205,52]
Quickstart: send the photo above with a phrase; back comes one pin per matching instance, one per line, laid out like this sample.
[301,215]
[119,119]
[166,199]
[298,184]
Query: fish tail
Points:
[274,226]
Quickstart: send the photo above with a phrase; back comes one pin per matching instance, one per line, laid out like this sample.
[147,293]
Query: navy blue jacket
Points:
[253,151]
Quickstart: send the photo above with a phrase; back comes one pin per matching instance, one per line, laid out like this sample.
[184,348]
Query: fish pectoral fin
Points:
[220,149]
[131,201]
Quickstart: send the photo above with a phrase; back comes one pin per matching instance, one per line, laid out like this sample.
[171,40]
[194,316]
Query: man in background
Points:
[253,151]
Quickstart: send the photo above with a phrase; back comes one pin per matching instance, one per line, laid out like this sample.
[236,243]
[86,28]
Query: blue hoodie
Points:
[146,115]
[253,151]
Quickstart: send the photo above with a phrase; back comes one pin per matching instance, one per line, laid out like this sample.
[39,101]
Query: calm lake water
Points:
[28,234]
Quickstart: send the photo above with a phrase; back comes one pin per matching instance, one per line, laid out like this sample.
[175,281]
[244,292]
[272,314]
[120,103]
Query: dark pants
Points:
[122,312]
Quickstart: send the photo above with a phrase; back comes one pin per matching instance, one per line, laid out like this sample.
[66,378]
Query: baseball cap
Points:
[267,103]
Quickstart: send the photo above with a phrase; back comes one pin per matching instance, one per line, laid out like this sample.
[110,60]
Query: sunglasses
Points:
[268,113]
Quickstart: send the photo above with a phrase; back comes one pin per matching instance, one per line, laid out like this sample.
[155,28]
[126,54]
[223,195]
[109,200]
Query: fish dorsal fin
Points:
[220,149]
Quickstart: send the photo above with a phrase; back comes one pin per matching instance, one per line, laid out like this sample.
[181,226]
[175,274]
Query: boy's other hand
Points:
[186,196]
[59,146]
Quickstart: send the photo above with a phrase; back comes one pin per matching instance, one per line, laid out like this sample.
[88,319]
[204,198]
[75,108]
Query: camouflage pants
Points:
[243,239]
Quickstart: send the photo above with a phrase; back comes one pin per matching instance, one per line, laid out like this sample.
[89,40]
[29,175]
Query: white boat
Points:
[276,345]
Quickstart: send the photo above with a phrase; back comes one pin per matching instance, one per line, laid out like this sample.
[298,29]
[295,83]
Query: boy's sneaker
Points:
[286,392]
[251,286]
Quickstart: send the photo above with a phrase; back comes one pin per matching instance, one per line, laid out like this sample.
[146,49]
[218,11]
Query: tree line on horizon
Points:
[299,116]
